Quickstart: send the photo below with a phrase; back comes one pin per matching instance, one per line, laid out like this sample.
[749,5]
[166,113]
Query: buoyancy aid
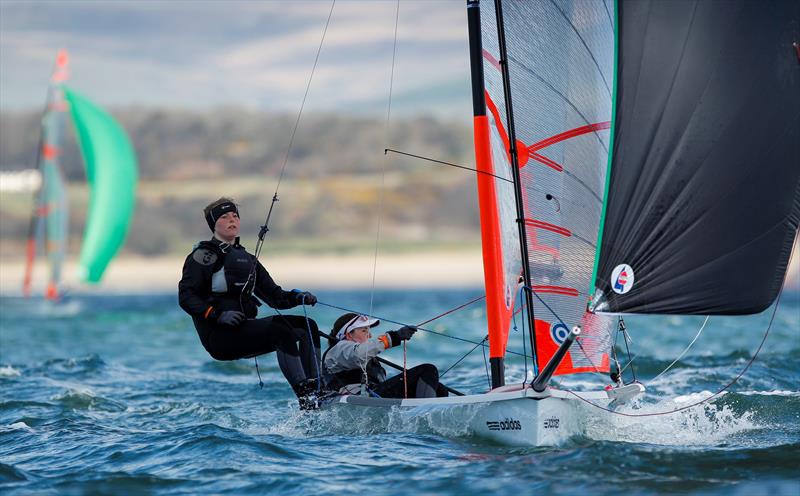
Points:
[230,278]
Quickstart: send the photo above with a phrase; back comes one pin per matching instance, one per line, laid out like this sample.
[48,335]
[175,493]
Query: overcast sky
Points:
[252,53]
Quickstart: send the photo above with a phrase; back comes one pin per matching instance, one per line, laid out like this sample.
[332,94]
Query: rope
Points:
[452,310]
[387,150]
[577,341]
[486,367]
[379,213]
[465,356]
[684,351]
[250,285]
[305,96]
[706,400]
[384,319]
[383,162]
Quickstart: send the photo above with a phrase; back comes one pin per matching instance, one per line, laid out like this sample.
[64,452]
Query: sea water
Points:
[114,394]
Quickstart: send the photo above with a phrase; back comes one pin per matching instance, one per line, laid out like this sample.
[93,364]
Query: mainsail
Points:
[704,193]
[111,172]
[560,58]
[50,217]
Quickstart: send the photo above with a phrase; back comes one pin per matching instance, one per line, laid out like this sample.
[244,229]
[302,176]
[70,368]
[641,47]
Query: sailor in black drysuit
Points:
[213,290]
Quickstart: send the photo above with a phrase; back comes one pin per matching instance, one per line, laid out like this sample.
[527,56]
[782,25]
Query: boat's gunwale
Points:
[488,397]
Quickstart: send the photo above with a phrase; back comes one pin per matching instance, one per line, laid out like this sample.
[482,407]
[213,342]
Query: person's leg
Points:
[427,380]
[423,381]
[306,334]
[256,337]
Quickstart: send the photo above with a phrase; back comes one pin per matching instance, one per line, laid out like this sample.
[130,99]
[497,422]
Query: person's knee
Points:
[429,370]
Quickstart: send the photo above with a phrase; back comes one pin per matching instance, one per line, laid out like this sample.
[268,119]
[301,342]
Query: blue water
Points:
[114,394]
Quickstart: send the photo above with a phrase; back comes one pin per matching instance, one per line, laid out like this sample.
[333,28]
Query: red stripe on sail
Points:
[548,226]
[546,161]
[50,152]
[488,56]
[560,290]
[589,128]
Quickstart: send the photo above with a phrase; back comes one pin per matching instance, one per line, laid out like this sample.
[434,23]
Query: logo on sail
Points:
[622,279]
[558,332]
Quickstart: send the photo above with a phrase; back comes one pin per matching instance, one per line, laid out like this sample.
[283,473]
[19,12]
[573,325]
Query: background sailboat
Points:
[111,172]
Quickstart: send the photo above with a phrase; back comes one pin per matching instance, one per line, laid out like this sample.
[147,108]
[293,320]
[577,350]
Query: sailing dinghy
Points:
[632,157]
[111,172]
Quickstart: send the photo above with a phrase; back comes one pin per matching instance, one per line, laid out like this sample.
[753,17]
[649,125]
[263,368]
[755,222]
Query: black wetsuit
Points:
[214,276]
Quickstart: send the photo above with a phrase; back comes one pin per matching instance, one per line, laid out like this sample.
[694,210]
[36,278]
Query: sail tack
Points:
[560,60]
[112,173]
[704,193]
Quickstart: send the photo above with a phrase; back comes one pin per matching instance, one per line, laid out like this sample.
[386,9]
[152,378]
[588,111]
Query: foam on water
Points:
[9,371]
[705,424]
[17,426]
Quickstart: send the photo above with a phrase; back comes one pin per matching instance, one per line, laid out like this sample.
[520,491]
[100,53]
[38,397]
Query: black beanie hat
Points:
[215,213]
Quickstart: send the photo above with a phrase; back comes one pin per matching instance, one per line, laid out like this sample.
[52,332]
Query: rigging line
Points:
[524,346]
[578,340]
[464,356]
[383,319]
[305,96]
[383,162]
[452,310]
[627,340]
[719,392]
[486,367]
[265,226]
[387,150]
[684,351]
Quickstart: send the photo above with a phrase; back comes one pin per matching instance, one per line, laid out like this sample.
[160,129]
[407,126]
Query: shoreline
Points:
[421,270]
[161,274]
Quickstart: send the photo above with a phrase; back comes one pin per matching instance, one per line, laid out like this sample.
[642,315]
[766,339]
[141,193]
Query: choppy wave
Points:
[128,391]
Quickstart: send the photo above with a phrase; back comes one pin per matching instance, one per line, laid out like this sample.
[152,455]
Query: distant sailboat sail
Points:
[704,192]
[560,62]
[111,172]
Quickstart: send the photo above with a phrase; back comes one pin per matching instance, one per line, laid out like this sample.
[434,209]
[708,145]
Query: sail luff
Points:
[603,212]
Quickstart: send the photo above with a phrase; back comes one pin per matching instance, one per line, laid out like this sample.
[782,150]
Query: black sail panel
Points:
[703,201]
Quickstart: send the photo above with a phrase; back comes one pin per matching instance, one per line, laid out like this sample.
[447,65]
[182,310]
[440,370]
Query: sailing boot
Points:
[306,392]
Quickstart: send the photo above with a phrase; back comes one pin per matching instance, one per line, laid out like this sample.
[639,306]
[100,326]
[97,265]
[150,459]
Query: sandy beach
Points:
[161,274]
[436,269]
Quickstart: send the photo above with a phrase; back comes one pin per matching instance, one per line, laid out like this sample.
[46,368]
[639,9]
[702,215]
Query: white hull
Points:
[509,415]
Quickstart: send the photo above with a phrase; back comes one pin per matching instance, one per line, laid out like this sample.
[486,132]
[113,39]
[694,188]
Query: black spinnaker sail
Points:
[703,199]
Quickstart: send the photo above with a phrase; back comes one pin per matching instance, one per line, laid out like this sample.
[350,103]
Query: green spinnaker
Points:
[111,172]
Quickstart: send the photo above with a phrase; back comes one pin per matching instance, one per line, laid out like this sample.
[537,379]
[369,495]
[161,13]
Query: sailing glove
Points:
[306,298]
[401,334]
[230,317]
